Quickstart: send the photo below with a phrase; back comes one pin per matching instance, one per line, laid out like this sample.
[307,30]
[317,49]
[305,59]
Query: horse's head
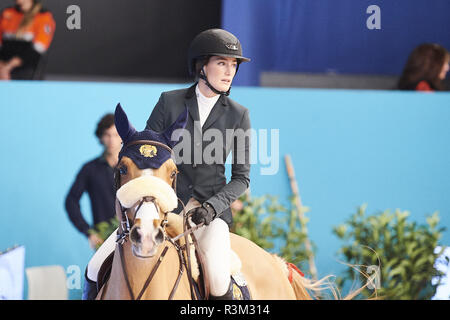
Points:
[145,180]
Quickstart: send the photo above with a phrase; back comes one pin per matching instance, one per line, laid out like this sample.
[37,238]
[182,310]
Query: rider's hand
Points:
[205,214]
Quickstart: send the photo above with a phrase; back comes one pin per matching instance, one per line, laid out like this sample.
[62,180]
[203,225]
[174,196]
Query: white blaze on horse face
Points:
[147,213]
[147,245]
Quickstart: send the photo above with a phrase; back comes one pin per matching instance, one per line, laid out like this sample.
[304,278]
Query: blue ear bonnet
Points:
[145,154]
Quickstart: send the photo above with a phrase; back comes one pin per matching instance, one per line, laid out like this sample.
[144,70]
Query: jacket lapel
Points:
[218,109]
[191,103]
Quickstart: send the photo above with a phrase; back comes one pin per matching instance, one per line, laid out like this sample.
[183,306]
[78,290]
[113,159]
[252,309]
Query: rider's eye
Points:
[123,170]
[174,173]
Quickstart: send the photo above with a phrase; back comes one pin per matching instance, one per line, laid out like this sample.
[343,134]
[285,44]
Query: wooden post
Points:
[298,204]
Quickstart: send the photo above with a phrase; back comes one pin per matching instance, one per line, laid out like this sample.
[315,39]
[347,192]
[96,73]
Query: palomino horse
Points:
[149,265]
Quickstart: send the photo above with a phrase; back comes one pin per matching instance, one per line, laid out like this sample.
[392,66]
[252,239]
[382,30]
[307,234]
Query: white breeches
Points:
[100,255]
[213,244]
[215,248]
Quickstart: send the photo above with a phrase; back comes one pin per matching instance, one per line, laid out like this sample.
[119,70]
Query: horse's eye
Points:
[123,170]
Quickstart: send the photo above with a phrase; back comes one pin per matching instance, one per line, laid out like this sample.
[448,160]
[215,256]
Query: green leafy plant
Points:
[257,220]
[402,251]
[266,222]
[104,229]
[294,247]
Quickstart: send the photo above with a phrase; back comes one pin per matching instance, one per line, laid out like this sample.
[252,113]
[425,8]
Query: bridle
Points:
[185,263]
[126,224]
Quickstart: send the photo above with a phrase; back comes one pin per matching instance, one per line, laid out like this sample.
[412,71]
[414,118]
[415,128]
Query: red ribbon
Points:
[293,266]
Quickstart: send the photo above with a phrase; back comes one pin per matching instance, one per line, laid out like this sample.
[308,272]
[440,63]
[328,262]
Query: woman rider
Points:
[214,57]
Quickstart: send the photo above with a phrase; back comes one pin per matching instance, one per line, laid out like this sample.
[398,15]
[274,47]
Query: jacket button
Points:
[190,186]
[198,144]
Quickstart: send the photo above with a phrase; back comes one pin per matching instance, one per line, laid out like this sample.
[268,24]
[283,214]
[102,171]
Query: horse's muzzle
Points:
[145,245]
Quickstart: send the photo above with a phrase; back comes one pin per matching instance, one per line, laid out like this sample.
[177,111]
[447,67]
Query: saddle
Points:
[105,271]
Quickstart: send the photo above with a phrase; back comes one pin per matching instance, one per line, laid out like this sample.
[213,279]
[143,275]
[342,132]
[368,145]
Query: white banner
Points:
[12,267]
[441,264]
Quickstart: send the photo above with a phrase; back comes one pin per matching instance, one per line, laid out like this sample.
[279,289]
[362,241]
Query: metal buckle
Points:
[125,226]
[121,238]
[126,222]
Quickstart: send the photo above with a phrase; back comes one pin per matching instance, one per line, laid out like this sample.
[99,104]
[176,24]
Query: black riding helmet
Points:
[214,42]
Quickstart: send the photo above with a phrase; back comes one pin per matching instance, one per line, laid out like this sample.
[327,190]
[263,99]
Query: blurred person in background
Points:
[96,177]
[426,68]
[26,32]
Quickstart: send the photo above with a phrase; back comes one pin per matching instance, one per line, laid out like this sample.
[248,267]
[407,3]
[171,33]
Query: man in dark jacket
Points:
[96,177]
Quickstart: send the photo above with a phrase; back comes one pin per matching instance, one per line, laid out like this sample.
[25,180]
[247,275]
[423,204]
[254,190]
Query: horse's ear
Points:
[123,126]
[170,135]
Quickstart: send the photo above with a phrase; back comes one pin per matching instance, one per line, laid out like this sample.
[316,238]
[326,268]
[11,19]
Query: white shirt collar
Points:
[205,100]
[205,105]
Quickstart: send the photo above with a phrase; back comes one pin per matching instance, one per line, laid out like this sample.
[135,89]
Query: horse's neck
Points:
[135,265]
[139,270]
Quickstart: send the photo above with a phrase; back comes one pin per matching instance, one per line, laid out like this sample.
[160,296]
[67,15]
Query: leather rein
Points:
[126,225]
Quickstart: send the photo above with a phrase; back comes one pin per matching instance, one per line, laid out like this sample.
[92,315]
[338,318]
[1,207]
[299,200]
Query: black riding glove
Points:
[205,214]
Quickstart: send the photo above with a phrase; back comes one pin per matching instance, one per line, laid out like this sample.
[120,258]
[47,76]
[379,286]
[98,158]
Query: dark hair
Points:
[424,64]
[106,122]
[199,64]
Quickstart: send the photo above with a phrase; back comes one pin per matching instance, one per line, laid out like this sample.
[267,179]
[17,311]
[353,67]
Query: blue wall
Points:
[331,36]
[386,149]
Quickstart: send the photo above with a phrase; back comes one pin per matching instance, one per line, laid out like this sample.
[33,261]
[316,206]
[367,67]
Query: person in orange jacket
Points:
[26,32]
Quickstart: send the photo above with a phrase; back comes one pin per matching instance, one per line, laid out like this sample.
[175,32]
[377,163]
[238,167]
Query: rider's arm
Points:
[156,120]
[240,172]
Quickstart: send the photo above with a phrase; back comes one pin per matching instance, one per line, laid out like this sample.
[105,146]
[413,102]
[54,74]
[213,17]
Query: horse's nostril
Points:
[135,235]
[159,238]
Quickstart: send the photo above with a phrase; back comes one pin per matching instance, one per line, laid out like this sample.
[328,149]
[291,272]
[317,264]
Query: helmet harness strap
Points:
[203,77]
